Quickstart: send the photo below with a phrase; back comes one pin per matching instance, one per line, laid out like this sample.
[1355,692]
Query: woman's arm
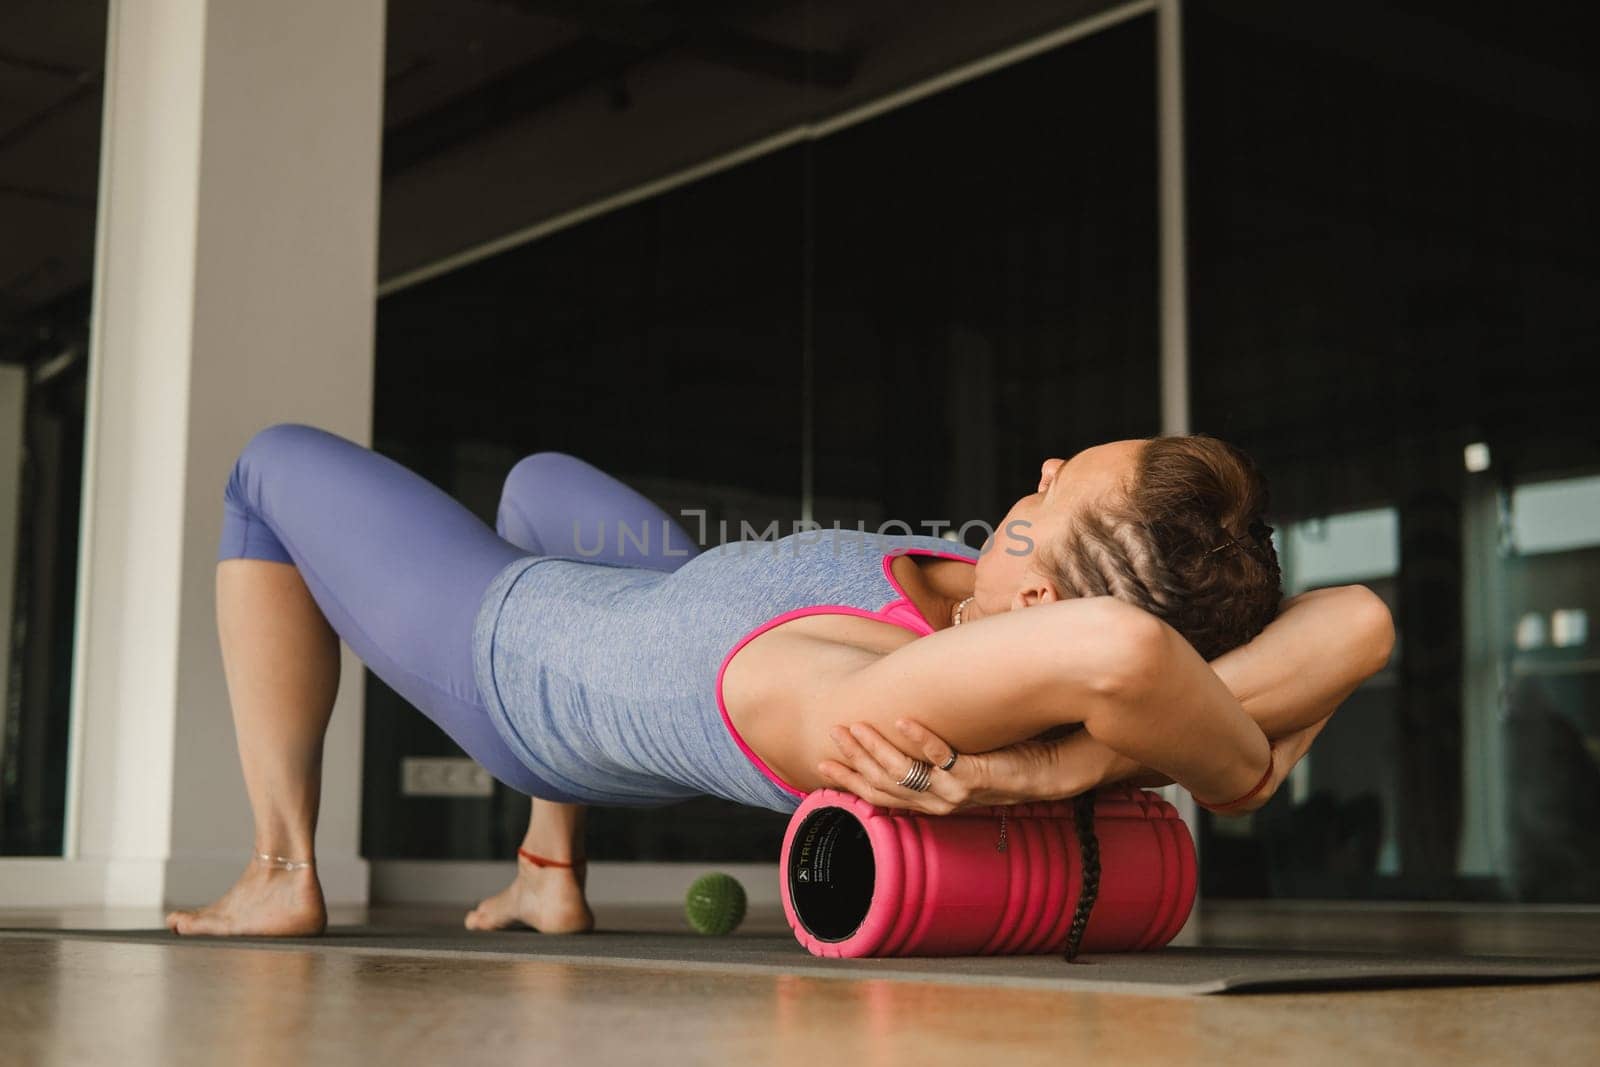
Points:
[1132,680]
[1298,671]
[1290,679]
[1309,659]
[1293,675]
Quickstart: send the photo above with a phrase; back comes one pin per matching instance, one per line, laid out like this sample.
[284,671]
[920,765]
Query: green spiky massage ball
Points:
[715,903]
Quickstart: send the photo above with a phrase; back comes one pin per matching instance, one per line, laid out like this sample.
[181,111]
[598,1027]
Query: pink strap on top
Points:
[898,612]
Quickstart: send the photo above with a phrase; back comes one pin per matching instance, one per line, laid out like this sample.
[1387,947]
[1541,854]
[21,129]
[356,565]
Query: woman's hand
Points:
[1068,763]
[870,766]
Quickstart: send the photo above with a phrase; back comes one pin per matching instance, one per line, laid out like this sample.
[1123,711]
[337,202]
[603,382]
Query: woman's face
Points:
[1008,576]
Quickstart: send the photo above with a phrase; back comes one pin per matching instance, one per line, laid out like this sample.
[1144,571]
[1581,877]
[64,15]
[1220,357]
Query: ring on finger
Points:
[917,778]
[951,762]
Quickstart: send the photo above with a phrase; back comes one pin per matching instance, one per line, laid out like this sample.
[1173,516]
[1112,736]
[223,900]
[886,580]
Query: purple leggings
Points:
[398,567]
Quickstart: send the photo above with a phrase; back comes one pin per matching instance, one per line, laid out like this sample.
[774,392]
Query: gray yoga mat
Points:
[1170,972]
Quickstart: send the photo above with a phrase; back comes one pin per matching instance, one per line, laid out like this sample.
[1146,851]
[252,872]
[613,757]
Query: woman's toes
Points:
[495,913]
[259,907]
[184,922]
[187,922]
[545,905]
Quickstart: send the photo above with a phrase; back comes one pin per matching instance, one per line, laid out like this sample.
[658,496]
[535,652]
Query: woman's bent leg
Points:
[322,537]
[397,567]
[556,504]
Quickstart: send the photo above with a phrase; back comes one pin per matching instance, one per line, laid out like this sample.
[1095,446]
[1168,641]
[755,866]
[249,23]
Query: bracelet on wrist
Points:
[1229,806]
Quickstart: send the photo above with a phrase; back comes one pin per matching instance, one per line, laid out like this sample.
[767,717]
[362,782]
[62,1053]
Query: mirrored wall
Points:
[1395,301]
[1392,294]
[882,296]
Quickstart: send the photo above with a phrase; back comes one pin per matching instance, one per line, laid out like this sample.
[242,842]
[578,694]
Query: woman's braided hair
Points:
[1089,871]
[1185,543]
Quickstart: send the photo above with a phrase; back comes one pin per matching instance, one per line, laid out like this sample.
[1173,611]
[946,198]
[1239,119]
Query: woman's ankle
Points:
[549,859]
[288,861]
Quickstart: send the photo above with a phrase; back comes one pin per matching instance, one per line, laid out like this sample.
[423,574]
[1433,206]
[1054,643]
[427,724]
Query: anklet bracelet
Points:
[283,863]
[541,861]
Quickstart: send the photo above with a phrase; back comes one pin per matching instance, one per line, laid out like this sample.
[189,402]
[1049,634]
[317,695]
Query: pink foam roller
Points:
[860,880]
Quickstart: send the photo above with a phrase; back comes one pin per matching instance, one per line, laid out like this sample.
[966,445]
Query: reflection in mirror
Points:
[1549,713]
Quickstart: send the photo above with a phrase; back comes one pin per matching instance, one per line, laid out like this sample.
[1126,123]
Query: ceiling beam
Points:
[616,38]
[519,92]
[703,31]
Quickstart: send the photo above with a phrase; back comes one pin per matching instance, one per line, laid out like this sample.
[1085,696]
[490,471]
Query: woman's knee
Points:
[269,451]
[537,475]
[254,456]
[542,476]
[278,439]
[246,531]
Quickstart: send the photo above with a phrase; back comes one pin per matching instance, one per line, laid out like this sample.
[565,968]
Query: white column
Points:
[1173,257]
[235,288]
[1173,266]
[13,409]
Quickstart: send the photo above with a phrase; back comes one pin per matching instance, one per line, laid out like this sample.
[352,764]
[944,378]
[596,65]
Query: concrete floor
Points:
[76,1002]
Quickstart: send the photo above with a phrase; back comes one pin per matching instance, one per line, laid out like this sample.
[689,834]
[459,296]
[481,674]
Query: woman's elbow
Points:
[1377,623]
[1133,648]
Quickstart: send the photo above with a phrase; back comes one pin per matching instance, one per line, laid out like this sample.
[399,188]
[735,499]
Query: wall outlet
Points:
[434,776]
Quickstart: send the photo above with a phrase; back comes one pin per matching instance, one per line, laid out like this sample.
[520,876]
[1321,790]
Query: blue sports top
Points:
[606,679]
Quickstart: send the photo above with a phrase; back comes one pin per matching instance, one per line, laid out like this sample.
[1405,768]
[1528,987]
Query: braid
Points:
[1089,857]
[1113,555]
[1168,545]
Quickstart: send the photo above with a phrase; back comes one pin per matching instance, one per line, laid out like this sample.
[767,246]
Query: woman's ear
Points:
[1035,589]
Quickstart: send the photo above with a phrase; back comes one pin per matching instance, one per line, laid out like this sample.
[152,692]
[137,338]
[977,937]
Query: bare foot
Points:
[262,903]
[549,899]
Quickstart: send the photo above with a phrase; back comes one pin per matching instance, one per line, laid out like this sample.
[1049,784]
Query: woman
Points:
[586,680]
